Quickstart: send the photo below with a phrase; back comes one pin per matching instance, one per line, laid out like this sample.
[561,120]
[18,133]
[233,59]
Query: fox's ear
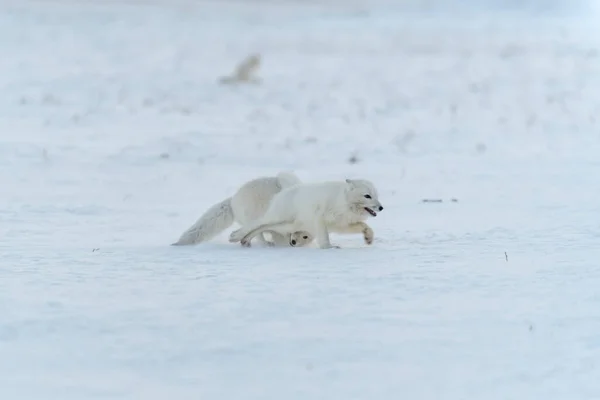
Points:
[350,182]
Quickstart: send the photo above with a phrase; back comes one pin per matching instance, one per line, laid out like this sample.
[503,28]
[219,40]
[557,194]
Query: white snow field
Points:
[115,137]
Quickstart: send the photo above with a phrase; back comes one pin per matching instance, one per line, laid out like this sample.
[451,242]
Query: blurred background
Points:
[126,105]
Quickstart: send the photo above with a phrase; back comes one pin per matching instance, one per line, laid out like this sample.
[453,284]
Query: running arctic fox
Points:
[318,208]
[247,204]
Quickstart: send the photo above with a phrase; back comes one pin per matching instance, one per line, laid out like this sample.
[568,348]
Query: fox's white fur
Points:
[318,208]
[247,204]
[245,72]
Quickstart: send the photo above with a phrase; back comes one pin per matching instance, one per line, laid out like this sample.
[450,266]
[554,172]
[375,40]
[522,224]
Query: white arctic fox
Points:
[247,204]
[318,208]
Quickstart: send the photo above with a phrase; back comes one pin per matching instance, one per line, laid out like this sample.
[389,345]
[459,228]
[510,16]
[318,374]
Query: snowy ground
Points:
[115,137]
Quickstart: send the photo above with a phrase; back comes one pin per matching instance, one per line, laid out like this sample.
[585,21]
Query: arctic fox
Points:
[245,72]
[247,204]
[318,208]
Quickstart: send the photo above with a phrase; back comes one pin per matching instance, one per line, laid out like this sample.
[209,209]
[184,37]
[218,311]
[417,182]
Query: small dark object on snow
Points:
[453,200]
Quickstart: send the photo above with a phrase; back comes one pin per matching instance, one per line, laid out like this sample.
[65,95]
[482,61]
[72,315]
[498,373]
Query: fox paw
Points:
[234,236]
[245,243]
[368,235]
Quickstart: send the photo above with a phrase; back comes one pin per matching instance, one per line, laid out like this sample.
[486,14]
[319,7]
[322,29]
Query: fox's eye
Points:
[304,237]
[367,196]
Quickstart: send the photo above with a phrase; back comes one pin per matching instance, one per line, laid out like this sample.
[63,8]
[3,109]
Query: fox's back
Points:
[319,194]
[252,198]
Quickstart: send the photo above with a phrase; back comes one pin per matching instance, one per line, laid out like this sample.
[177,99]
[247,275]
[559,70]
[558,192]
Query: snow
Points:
[115,136]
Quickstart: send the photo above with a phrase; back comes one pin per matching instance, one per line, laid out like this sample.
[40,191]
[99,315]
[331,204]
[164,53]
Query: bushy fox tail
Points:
[214,221]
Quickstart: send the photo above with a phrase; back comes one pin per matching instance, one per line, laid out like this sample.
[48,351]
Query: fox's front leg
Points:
[359,227]
[322,236]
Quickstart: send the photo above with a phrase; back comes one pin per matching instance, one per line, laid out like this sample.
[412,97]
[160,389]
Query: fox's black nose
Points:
[380,208]
[293,242]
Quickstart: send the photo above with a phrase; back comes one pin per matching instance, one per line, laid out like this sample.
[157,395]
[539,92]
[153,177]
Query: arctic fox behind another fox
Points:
[247,204]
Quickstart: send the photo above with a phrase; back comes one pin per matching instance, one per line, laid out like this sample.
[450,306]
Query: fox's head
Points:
[362,197]
[300,238]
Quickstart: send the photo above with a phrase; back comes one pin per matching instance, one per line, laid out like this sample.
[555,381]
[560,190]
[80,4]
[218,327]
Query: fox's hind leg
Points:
[260,239]
[280,226]
[279,239]
[263,240]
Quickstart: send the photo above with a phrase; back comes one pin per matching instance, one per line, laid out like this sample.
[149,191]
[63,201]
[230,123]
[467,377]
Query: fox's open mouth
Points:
[373,213]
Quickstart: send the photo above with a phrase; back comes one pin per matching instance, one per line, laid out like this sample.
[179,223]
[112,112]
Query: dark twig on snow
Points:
[453,200]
